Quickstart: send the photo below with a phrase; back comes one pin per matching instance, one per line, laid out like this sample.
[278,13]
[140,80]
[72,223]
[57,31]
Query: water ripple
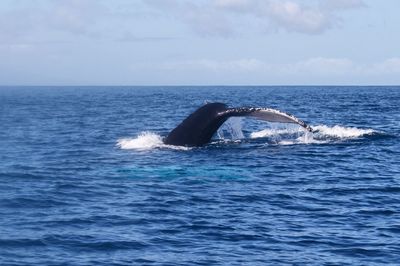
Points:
[70,196]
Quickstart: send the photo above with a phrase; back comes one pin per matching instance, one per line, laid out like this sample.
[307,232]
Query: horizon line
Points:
[215,85]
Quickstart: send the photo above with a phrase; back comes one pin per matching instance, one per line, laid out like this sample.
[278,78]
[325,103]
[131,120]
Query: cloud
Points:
[202,17]
[309,71]
[33,21]
[294,17]
[129,37]
[388,66]
[342,4]
[74,16]
[323,66]
[40,21]
[225,17]
[57,20]
[240,65]
[318,66]
[15,24]
[289,15]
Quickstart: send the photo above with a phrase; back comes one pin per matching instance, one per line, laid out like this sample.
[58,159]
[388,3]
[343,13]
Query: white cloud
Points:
[60,19]
[50,21]
[309,17]
[293,17]
[207,22]
[246,65]
[388,66]
[317,70]
[342,4]
[202,17]
[318,66]
[31,22]
[323,66]
[235,5]
[74,16]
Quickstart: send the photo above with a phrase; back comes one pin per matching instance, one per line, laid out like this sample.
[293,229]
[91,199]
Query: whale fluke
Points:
[199,127]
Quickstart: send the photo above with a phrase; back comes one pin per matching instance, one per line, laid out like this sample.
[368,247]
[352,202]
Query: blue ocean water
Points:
[86,180]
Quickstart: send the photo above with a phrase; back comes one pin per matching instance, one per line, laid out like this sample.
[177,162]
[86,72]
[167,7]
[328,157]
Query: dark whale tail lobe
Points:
[199,127]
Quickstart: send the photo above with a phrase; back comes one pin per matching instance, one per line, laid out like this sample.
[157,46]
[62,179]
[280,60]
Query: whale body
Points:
[199,127]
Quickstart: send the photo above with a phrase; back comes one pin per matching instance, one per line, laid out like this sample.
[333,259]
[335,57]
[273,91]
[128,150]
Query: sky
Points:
[199,42]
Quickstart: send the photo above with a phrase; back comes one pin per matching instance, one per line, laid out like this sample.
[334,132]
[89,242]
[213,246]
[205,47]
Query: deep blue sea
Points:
[86,180]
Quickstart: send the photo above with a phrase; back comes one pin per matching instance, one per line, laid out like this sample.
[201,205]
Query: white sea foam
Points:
[342,132]
[322,134]
[271,132]
[145,141]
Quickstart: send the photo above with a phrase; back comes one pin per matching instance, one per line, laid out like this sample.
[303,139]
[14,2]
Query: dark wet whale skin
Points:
[199,127]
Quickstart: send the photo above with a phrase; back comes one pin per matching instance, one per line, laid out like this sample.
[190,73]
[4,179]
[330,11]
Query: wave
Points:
[146,141]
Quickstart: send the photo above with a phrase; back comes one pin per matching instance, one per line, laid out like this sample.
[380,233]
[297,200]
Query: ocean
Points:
[85,178]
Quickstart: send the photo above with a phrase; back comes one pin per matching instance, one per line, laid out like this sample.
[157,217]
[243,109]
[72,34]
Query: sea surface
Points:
[86,180]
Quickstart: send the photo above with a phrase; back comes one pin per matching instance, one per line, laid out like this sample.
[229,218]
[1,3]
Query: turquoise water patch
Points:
[174,172]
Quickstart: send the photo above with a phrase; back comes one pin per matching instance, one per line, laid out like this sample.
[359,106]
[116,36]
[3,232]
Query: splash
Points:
[231,129]
[272,132]
[146,141]
[321,134]
[342,132]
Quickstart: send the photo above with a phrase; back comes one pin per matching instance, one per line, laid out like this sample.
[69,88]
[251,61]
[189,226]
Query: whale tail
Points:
[199,127]
[267,114]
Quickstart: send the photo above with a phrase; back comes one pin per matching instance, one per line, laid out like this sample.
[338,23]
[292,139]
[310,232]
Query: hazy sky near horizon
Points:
[202,42]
